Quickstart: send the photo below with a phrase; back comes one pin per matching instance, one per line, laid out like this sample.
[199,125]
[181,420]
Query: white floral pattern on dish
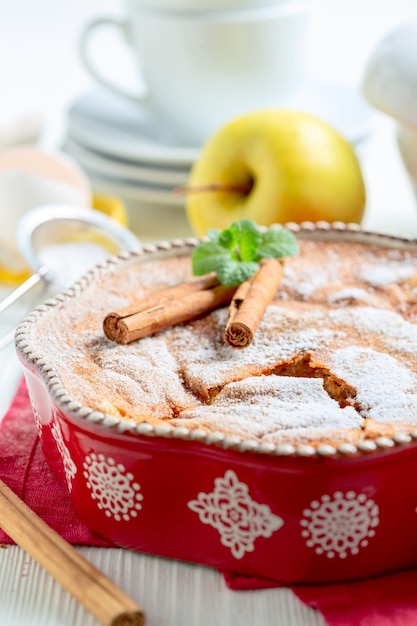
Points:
[70,468]
[340,524]
[232,512]
[116,491]
[36,413]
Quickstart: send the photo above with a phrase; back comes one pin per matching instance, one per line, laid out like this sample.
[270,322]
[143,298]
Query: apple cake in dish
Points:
[295,444]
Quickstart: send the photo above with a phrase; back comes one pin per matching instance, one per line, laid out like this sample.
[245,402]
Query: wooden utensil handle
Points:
[97,593]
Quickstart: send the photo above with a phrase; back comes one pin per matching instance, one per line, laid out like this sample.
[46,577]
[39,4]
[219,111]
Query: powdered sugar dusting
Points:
[386,390]
[266,407]
[387,273]
[207,362]
[345,313]
[350,294]
[389,328]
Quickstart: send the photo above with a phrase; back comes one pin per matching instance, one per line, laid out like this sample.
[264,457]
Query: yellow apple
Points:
[275,166]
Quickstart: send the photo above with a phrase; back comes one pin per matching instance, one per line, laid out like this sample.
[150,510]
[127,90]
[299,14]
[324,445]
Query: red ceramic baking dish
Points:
[292,514]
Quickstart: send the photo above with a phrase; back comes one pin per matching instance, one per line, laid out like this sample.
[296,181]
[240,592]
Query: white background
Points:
[38,42]
[40,70]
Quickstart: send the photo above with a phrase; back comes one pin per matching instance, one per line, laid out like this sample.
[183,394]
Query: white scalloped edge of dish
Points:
[69,405]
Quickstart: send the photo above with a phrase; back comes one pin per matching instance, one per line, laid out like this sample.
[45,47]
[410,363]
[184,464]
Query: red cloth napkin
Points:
[384,601]
[389,600]
[24,469]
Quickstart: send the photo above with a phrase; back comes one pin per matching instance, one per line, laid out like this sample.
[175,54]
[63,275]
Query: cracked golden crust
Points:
[344,316]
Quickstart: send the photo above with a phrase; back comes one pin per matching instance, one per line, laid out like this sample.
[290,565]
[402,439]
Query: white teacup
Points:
[202,68]
[205,5]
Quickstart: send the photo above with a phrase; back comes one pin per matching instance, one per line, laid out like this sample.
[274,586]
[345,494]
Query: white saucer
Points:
[104,122]
[103,165]
[137,192]
[107,124]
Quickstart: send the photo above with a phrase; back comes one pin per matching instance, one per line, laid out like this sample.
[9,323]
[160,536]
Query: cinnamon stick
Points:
[99,595]
[250,302]
[169,307]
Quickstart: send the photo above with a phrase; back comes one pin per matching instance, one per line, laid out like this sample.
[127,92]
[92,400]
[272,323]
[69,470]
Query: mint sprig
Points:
[234,253]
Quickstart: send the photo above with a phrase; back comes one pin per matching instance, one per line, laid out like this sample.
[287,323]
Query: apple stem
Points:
[243,188]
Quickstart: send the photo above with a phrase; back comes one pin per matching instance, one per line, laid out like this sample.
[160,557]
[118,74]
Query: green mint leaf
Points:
[241,238]
[213,234]
[233,253]
[243,226]
[248,237]
[227,239]
[235,272]
[277,242]
[208,257]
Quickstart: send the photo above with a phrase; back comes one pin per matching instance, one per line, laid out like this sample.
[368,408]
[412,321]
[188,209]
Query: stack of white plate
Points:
[126,151]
